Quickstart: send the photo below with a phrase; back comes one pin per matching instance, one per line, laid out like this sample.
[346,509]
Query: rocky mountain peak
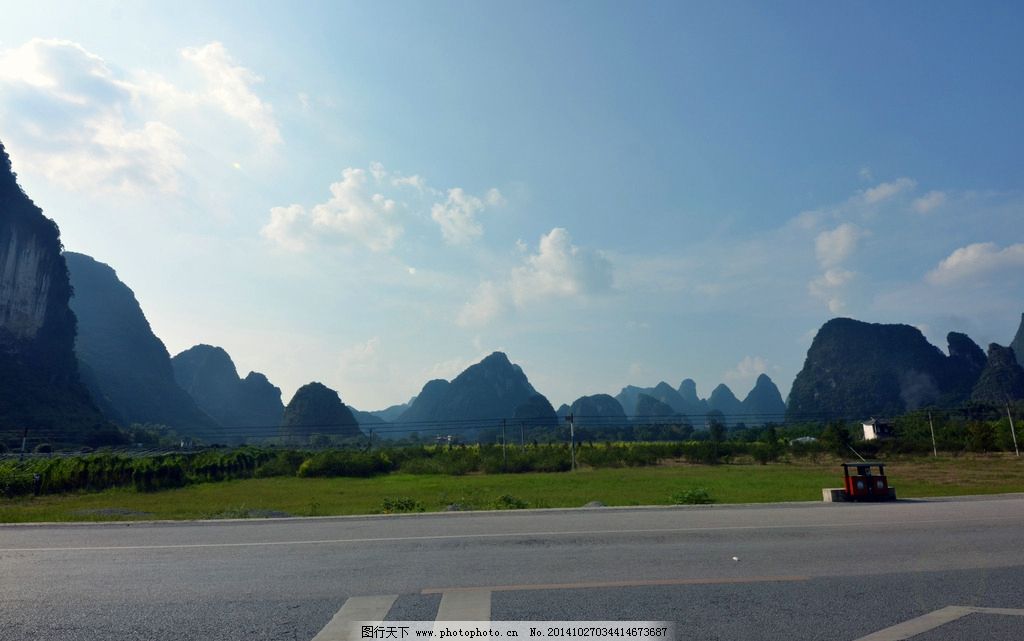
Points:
[1017,345]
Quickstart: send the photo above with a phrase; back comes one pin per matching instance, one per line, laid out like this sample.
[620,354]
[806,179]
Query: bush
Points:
[402,504]
[283,464]
[693,496]
[341,463]
[43,448]
[509,502]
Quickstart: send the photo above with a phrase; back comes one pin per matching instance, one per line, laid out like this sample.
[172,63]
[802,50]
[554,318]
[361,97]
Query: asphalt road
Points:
[794,571]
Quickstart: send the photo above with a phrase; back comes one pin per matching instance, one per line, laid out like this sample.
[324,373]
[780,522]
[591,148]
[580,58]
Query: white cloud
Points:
[747,369]
[885,191]
[287,227]
[373,215]
[360,357]
[457,215]
[90,127]
[835,246]
[559,269]
[928,202]
[487,303]
[865,173]
[354,213]
[977,259]
[448,369]
[78,124]
[828,287]
[229,86]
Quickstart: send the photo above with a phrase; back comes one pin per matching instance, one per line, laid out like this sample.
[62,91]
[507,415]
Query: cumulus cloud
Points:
[832,248]
[558,269]
[928,202]
[487,303]
[354,213]
[229,87]
[77,122]
[975,260]
[287,227]
[366,208]
[747,369]
[457,217]
[835,246]
[885,191]
[828,287]
[89,126]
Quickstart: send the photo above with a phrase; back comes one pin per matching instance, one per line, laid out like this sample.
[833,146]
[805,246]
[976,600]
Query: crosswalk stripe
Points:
[465,605]
[341,627]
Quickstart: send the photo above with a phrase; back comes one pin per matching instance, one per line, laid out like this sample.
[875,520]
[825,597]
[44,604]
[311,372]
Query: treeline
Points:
[95,472]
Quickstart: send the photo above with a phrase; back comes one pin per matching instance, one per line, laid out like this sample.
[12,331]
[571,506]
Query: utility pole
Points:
[522,435]
[504,452]
[1013,431]
[572,441]
[370,447]
[24,437]
[935,449]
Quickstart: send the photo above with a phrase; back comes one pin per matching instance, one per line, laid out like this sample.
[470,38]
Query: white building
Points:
[878,428]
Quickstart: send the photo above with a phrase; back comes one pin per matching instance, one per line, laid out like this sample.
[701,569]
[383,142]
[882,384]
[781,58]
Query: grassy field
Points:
[288,496]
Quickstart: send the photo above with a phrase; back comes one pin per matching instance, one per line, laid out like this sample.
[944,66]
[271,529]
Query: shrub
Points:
[340,463]
[401,504]
[282,464]
[509,502]
[693,496]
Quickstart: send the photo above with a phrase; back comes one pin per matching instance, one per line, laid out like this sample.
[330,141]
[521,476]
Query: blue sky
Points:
[375,194]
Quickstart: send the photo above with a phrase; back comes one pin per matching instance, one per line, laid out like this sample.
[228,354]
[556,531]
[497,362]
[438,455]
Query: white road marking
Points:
[342,626]
[438,537]
[627,583]
[933,620]
[465,605]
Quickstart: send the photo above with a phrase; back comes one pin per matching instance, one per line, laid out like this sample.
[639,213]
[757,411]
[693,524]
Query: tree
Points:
[836,438]
[981,437]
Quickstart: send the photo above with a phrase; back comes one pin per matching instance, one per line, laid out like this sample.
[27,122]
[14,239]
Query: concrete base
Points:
[838,495]
[833,495]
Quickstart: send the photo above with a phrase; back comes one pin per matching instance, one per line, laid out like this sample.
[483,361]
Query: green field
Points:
[281,496]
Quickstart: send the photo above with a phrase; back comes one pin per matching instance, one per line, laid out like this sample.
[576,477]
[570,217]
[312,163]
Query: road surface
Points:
[927,570]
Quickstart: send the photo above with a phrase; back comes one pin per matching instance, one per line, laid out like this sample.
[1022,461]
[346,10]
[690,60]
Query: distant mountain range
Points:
[763,403]
[77,356]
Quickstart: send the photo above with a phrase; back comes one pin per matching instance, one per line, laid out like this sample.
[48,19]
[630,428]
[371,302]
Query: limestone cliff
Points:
[39,381]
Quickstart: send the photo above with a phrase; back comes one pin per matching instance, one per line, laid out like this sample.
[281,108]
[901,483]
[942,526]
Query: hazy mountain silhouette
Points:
[723,400]
[597,409]
[316,409]
[763,403]
[491,389]
[1017,345]
[1002,380]
[251,405]
[536,411]
[650,409]
[125,366]
[857,370]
